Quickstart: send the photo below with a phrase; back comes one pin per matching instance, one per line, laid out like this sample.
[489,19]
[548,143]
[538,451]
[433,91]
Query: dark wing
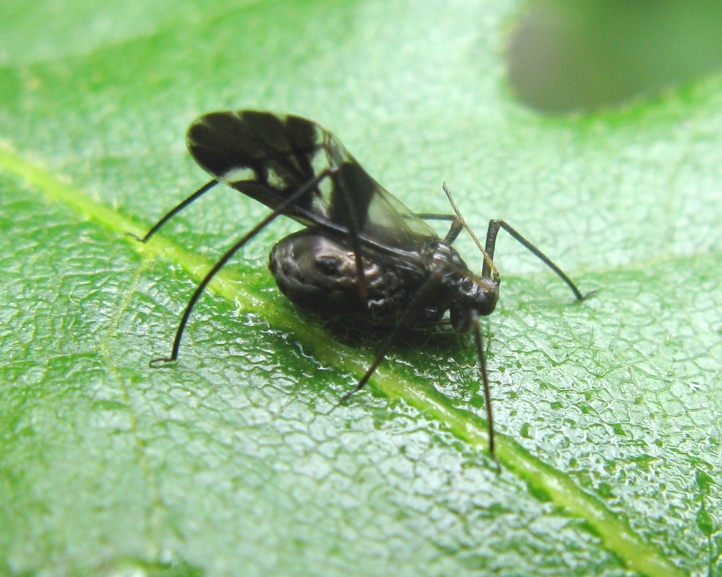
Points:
[269,157]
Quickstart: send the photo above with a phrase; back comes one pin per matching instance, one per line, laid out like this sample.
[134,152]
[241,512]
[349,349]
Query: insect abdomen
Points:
[319,274]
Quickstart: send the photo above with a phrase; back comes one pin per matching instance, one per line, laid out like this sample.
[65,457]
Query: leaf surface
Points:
[237,460]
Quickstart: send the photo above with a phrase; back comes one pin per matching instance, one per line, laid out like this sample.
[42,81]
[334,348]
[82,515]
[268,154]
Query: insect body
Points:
[318,273]
[362,251]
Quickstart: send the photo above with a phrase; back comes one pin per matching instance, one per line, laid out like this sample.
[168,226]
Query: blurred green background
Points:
[567,56]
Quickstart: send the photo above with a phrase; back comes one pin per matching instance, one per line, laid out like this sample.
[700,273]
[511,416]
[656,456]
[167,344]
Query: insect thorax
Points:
[319,274]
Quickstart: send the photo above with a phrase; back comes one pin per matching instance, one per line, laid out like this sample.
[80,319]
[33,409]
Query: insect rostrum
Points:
[362,251]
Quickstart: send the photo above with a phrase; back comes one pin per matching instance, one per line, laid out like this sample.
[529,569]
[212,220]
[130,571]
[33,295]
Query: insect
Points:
[362,251]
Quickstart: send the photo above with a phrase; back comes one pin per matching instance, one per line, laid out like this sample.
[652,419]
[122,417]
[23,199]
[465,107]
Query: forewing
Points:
[378,215]
[269,157]
[263,155]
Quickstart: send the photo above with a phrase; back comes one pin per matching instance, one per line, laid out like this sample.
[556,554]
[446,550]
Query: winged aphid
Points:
[361,251]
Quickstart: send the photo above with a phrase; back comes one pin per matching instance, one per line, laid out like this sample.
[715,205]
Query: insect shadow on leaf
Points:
[362,252]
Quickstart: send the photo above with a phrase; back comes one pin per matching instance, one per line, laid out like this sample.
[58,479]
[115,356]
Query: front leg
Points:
[489,270]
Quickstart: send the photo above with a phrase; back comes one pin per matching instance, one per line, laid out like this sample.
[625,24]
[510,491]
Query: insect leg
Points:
[278,211]
[407,320]
[429,286]
[192,198]
[456,225]
[457,221]
[435,216]
[484,378]
[495,225]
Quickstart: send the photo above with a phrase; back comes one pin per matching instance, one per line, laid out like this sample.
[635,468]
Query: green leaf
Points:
[237,460]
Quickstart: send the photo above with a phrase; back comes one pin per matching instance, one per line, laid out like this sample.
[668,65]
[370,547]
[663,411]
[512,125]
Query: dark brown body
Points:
[319,274]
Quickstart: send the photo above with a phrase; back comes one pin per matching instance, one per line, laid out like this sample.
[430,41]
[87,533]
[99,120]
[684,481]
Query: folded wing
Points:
[269,157]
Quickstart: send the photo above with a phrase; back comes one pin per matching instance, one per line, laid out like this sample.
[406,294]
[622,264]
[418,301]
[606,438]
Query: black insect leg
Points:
[456,225]
[429,286]
[278,211]
[484,378]
[192,198]
[495,226]
[457,220]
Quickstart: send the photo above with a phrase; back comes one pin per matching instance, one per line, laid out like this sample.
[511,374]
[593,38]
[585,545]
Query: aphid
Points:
[362,251]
